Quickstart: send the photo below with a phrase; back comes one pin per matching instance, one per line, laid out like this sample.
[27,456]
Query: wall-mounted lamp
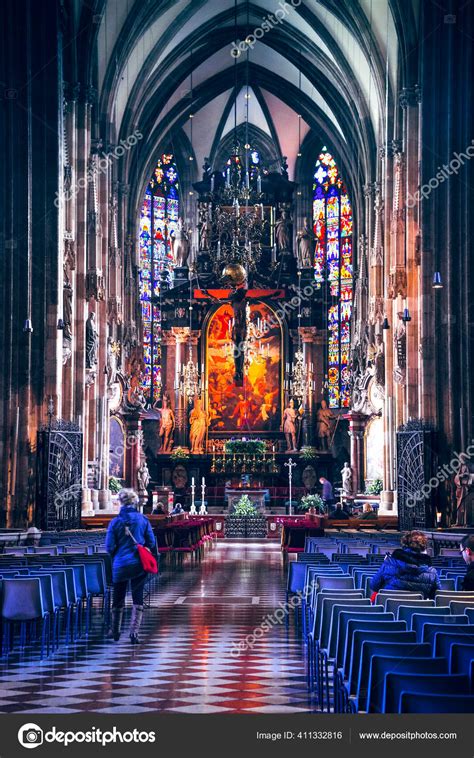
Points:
[28,326]
[437,281]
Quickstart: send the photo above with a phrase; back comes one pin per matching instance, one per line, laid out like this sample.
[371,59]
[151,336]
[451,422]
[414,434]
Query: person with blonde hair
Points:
[368,512]
[408,568]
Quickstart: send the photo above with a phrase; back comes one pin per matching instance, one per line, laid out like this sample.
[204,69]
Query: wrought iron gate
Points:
[59,476]
[415,465]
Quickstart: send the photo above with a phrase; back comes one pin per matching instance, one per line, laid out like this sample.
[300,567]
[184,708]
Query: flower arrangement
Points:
[115,485]
[179,454]
[244,507]
[308,453]
[374,487]
[244,447]
[310,502]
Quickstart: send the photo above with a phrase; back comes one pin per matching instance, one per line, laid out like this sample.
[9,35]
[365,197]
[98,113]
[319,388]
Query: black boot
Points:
[116,625]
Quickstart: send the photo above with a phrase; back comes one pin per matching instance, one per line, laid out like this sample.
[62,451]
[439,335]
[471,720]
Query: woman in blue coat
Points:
[126,562]
[408,568]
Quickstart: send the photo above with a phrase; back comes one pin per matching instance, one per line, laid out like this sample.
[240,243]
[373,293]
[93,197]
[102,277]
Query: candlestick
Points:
[212,184]
[259,183]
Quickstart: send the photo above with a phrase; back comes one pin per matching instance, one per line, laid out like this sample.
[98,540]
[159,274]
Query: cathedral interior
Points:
[236,256]
[236,361]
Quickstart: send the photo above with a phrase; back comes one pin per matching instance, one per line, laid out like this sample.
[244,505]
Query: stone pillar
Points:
[314,367]
[133,446]
[357,423]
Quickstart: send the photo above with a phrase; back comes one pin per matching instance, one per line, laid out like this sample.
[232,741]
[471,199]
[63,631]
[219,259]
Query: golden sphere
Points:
[234,273]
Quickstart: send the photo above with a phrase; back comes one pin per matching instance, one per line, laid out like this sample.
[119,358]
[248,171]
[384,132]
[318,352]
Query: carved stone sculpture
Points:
[289,426]
[181,245]
[346,474]
[199,421]
[167,424]
[92,342]
[282,232]
[143,478]
[324,418]
[305,245]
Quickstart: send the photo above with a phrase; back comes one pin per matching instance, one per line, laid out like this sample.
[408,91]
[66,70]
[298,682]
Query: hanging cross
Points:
[290,464]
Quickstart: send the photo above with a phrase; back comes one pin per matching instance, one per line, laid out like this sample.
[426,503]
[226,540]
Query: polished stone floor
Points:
[210,644]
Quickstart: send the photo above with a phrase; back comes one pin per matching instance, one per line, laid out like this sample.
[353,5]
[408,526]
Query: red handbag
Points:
[147,559]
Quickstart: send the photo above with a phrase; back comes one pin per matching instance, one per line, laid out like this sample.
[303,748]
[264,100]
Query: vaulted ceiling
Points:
[336,65]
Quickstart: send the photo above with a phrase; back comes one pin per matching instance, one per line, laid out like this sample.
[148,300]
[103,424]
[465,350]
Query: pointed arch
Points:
[333,270]
[158,221]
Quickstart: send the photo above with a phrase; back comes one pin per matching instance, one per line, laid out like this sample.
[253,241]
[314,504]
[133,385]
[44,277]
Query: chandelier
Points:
[188,383]
[300,383]
[233,219]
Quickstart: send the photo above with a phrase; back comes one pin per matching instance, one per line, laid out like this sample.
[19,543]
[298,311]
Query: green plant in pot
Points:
[312,504]
[115,485]
[374,487]
[244,508]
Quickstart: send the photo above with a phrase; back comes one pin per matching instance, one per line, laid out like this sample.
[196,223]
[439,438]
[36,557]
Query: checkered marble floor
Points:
[191,659]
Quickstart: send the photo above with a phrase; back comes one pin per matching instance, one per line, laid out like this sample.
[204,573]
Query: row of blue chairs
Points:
[56,593]
[338,618]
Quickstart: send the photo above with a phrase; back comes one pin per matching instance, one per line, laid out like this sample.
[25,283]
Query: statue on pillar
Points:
[346,474]
[282,233]
[461,483]
[324,417]
[180,245]
[305,245]
[143,479]
[92,342]
[199,421]
[113,349]
[167,425]
[290,416]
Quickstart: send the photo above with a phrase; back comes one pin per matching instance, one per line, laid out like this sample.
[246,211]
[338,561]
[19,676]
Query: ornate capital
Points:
[409,97]
[395,147]
[397,283]
[90,95]
[308,334]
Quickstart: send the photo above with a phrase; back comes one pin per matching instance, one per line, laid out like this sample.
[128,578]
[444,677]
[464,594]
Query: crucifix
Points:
[237,297]
[290,465]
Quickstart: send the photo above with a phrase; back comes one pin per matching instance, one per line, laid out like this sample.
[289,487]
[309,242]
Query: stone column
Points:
[313,364]
[357,424]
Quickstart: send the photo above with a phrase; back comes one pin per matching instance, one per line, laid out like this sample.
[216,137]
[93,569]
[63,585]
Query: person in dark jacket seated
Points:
[408,568]
[126,564]
[467,552]
[338,513]
[367,512]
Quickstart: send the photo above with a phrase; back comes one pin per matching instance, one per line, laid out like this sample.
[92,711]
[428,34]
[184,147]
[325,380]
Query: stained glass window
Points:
[158,221]
[332,219]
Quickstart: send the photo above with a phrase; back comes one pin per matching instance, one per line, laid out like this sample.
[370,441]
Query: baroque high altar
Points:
[246,331]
